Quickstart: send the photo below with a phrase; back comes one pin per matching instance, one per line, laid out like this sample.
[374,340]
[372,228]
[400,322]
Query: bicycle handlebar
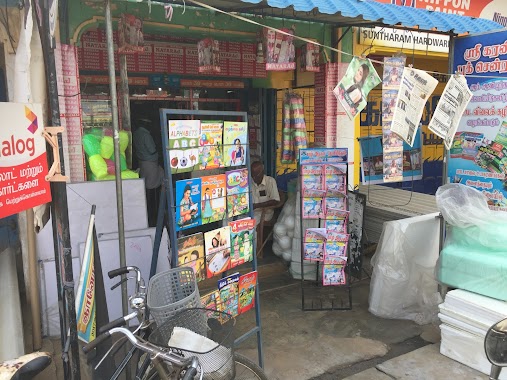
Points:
[122,321]
[153,350]
[118,272]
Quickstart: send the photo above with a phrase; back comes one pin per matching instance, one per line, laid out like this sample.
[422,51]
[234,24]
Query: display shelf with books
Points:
[324,228]
[206,200]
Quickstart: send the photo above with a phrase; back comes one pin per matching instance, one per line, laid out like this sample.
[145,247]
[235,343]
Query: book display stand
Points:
[324,229]
[207,200]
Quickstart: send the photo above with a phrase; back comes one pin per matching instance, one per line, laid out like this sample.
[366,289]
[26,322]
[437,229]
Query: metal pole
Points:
[60,215]
[34,282]
[116,139]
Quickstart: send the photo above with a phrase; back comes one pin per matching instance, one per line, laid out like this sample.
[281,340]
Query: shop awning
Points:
[360,13]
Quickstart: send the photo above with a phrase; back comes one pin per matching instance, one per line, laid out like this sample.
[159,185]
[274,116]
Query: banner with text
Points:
[478,154]
[23,161]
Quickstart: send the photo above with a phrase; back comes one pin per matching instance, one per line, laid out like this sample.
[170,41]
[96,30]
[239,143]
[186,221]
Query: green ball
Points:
[98,166]
[107,147]
[129,174]
[91,144]
[124,141]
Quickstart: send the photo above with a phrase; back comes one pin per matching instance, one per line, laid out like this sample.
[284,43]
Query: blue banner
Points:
[478,156]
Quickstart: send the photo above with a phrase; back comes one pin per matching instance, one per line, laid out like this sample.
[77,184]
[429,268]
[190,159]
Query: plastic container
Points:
[204,333]
[170,292]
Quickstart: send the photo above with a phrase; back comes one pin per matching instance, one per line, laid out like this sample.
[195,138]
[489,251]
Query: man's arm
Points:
[270,203]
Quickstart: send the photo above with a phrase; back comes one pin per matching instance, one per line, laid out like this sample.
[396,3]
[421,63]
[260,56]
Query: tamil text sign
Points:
[23,161]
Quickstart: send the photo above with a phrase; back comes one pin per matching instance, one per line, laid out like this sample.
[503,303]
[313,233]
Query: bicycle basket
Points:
[172,291]
[204,333]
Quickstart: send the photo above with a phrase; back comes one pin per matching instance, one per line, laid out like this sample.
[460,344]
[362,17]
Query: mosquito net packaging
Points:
[474,256]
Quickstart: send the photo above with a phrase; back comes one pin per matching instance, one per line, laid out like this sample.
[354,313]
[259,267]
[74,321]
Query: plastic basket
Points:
[215,352]
[172,291]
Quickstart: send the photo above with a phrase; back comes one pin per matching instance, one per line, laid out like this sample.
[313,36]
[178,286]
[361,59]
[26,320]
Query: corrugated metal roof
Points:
[380,13]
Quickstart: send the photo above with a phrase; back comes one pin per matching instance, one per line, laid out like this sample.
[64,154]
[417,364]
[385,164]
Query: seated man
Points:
[264,193]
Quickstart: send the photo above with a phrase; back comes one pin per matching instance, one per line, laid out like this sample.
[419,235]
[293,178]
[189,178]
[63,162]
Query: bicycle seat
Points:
[25,367]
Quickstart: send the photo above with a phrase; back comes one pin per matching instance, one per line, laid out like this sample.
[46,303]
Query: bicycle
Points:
[170,362]
[162,361]
[25,367]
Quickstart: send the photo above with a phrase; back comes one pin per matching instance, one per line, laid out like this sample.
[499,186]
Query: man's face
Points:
[257,174]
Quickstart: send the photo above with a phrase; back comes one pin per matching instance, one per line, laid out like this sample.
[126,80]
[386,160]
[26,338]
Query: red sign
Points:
[471,8]
[172,57]
[23,161]
[130,30]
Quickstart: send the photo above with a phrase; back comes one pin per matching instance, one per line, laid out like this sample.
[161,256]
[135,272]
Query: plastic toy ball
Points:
[98,166]
[129,174]
[124,141]
[110,166]
[91,144]
[107,147]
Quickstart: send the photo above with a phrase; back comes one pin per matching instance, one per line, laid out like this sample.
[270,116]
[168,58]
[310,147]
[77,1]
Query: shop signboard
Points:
[478,154]
[23,160]
[495,10]
[130,32]
[404,39]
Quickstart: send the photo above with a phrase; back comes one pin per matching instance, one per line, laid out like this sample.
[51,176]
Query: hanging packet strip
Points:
[312,180]
[415,90]
[352,91]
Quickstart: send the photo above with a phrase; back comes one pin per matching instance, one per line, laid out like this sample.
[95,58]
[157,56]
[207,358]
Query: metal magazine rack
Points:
[314,295]
[167,202]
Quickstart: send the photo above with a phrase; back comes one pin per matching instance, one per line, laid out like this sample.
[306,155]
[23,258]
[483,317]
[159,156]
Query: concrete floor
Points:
[325,345]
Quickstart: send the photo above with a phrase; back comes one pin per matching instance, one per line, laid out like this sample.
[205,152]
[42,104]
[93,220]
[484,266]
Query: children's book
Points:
[335,180]
[313,208]
[338,225]
[212,302]
[213,198]
[314,244]
[191,254]
[235,143]
[188,203]
[229,294]
[312,180]
[211,155]
[471,143]
[336,248]
[218,250]
[237,192]
[333,274]
[334,207]
[336,252]
[247,286]
[242,241]
[183,145]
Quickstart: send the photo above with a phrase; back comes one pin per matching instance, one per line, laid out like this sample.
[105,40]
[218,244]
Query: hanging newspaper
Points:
[352,91]
[450,108]
[393,71]
[416,87]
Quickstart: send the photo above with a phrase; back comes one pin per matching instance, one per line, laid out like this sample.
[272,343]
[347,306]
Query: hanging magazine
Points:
[238,201]
[242,241]
[218,250]
[333,274]
[183,141]
[213,198]
[312,180]
[314,244]
[235,143]
[247,286]
[191,254]
[211,155]
[229,294]
[188,203]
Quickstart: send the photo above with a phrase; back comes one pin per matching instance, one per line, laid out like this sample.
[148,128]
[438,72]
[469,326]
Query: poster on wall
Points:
[479,147]
[355,86]
[23,159]
[310,57]
[208,51]
[415,89]
[130,34]
[375,169]
[280,50]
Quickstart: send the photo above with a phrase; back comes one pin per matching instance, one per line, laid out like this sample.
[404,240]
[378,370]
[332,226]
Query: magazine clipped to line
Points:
[415,90]
[450,108]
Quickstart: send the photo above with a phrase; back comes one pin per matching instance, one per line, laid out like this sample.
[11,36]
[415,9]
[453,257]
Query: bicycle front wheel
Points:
[247,369]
